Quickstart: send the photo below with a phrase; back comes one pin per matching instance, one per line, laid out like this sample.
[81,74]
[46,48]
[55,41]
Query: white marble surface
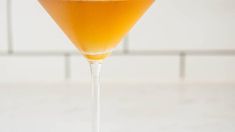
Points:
[125,108]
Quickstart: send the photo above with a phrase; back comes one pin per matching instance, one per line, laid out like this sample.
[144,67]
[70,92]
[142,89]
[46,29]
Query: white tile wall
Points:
[130,69]
[210,68]
[3,25]
[31,68]
[34,30]
[186,24]
[80,70]
[169,25]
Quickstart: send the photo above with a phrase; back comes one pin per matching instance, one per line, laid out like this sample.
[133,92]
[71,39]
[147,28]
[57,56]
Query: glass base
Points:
[96,57]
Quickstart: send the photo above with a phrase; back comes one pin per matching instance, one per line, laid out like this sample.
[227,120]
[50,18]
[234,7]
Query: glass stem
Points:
[95,77]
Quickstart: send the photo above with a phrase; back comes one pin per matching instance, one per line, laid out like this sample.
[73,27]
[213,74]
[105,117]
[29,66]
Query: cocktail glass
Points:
[95,27]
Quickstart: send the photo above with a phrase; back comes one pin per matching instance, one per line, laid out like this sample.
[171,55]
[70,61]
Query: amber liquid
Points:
[96,26]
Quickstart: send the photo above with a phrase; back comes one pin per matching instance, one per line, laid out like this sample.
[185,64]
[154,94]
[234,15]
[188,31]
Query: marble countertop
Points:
[64,107]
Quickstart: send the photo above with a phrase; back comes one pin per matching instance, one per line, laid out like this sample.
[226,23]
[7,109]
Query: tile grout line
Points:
[9,27]
[67,63]
[182,66]
[131,53]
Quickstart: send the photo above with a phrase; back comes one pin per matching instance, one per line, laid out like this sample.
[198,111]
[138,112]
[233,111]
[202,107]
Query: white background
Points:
[175,40]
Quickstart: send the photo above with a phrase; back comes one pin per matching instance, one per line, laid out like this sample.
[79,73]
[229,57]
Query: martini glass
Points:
[96,27]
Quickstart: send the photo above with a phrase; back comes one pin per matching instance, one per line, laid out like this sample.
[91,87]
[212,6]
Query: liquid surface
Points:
[96,26]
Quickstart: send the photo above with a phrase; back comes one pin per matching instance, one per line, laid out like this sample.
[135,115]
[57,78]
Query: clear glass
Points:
[95,27]
[95,67]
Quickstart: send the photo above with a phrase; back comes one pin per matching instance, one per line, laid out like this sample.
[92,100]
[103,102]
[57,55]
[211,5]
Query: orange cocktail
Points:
[96,26]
